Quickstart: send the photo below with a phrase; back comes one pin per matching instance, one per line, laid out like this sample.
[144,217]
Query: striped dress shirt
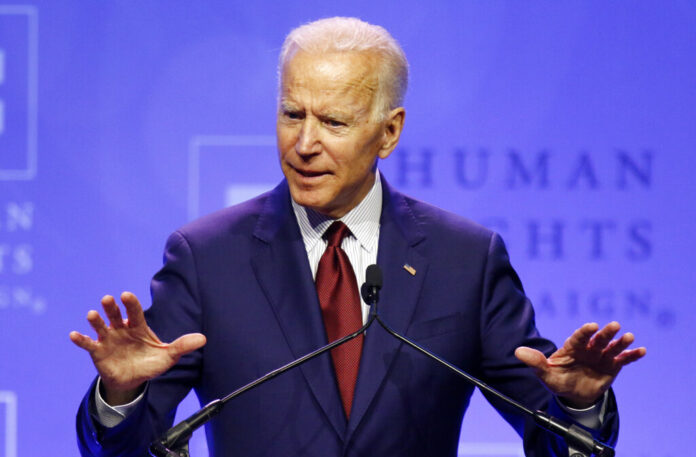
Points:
[360,246]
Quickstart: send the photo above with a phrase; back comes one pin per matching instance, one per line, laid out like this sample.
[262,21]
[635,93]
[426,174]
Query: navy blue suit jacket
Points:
[241,277]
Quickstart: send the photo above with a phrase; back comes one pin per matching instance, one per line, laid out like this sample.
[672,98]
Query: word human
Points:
[513,169]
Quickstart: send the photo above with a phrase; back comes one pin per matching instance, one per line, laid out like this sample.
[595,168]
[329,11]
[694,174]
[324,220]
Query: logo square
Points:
[228,169]
[18,92]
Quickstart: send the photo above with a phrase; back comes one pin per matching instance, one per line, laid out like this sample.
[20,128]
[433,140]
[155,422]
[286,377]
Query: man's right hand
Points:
[127,353]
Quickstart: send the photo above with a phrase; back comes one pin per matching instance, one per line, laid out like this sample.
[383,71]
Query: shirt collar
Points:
[362,221]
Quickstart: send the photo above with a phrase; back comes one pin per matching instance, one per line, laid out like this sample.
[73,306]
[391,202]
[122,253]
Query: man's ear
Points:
[393,126]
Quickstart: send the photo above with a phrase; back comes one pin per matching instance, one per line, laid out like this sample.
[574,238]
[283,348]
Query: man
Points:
[276,277]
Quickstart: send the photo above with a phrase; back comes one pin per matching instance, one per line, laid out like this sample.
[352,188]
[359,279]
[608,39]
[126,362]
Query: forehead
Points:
[334,74]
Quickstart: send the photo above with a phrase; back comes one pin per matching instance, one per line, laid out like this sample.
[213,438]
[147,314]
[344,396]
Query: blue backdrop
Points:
[566,126]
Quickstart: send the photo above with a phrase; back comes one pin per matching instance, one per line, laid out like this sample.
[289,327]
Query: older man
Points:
[276,277]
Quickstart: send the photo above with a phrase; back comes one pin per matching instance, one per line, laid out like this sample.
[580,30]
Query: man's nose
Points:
[308,142]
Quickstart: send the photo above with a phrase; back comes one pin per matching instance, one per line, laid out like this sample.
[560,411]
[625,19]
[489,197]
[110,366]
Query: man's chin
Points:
[321,207]
[309,199]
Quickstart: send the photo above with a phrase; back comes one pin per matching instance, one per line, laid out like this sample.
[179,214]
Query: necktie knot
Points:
[335,233]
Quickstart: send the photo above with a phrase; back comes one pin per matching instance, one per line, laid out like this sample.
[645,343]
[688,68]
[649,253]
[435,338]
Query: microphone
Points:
[373,283]
[174,443]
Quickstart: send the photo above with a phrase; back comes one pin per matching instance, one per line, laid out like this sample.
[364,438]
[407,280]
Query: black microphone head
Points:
[366,293]
[373,276]
[373,282]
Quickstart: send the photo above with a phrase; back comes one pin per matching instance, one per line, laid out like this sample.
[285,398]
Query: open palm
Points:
[127,352]
[586,365]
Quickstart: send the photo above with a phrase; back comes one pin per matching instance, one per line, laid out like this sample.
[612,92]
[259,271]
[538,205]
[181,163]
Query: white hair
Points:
[346,34]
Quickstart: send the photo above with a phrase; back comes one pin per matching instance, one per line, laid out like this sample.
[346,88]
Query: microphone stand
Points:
[174,443]
[583,443]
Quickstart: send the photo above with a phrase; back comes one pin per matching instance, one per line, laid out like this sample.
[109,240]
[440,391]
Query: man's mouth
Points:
[310,173]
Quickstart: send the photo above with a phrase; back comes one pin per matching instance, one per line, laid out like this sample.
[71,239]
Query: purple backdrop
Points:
[566,126]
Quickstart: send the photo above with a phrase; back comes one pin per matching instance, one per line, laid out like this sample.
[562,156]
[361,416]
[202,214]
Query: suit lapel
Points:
[399,234]
[283,271]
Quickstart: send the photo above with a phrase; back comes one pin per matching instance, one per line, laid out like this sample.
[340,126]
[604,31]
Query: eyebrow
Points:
[287,106]
[331,113]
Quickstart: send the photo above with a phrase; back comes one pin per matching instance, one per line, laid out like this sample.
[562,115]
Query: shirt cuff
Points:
[110,416]
[591,417]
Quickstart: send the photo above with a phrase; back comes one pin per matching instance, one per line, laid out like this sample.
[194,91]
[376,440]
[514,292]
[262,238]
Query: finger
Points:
[532,358]
[83,341]
[631,356]
[136,317]
[581,337]
[112,311]
[600,340]
[97,323]
[615,347]
[187,343]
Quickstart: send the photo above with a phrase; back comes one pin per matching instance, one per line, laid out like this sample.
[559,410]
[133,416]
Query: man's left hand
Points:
[587,364]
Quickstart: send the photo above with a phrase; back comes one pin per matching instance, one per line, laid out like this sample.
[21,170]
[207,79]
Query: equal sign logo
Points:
[19,35]
[2,80]
[229,169]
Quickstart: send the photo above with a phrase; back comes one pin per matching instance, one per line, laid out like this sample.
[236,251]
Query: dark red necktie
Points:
[337,289]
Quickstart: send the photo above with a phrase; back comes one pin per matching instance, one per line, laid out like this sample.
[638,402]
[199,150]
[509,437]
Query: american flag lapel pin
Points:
[410,269]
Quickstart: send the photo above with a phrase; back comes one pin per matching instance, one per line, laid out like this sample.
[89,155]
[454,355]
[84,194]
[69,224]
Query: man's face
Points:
[328,137]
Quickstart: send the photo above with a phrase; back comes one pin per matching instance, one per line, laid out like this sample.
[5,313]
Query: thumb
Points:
[187,343]
[531,357]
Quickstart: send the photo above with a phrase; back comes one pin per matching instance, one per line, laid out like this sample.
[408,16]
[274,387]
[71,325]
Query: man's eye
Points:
[334,123]
[292,115]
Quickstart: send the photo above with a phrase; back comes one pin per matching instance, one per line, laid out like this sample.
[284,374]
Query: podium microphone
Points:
[370,288]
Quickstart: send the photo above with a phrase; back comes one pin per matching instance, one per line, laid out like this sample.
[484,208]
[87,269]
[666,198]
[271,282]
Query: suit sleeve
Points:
[175,311]
[507,322]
